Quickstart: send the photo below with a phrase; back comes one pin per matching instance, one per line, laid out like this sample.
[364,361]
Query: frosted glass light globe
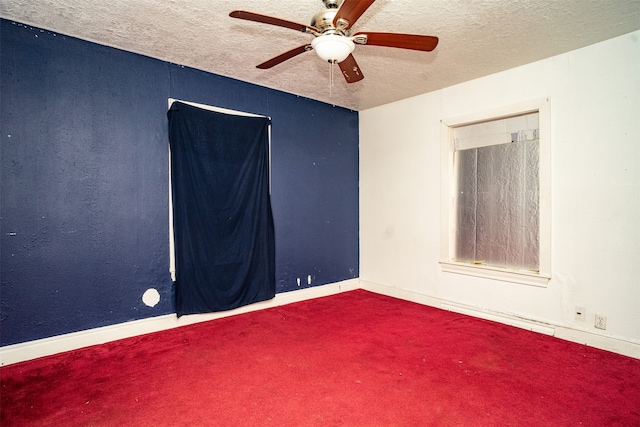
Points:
[332,48]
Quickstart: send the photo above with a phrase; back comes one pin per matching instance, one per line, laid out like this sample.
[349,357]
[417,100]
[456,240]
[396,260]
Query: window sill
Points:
[495,273]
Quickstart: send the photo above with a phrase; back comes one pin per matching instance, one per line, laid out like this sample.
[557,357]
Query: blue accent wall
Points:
[84,182]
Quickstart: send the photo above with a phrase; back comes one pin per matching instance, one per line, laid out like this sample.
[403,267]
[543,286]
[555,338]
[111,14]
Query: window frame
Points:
[447,203]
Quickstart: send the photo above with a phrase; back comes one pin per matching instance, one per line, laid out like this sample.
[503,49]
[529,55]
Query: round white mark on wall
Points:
[151,297]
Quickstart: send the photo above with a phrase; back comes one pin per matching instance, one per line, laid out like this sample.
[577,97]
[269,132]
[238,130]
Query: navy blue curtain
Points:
[223,224]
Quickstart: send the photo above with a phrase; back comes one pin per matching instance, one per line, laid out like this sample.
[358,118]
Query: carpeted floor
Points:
[352,359]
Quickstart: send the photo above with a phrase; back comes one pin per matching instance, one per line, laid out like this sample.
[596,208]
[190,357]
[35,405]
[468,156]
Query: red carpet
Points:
[353,359]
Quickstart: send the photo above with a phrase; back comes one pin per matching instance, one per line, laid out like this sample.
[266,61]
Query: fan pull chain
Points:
[331,78]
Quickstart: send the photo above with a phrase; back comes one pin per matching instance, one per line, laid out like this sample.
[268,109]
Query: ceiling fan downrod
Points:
[332,4]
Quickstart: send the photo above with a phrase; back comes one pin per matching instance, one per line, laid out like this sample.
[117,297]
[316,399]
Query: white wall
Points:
[595,129]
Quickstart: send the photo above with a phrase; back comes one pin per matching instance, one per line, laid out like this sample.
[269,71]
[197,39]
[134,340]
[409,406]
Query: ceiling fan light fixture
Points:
[332,48]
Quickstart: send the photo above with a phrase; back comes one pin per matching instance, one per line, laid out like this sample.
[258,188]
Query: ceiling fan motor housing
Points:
[323,20]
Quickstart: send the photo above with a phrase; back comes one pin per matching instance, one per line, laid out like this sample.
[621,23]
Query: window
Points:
[496,194]
[172,258]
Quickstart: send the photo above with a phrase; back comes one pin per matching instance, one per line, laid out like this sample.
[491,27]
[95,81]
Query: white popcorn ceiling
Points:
[477,38]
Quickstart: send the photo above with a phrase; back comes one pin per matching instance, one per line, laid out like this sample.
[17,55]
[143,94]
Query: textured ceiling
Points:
[477,37]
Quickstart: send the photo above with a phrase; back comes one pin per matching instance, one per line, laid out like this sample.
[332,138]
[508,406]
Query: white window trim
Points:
[172,248]
[540,278]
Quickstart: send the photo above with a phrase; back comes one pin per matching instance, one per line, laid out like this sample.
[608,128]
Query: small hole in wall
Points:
[151,297]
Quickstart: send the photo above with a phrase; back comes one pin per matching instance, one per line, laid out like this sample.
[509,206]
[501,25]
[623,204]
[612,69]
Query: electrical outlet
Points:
[580,313]
[600,322]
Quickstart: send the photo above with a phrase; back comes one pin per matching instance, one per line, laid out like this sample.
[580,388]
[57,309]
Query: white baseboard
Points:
[615,345]
[602,342]
[48,346]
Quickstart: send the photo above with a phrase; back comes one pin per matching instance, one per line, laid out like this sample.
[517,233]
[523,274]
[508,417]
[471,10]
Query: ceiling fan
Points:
[333,41]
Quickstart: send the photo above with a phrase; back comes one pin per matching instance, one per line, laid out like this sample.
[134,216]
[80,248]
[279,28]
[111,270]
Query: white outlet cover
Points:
[600,322]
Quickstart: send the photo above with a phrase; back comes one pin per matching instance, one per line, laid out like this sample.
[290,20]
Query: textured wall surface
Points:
[84,185]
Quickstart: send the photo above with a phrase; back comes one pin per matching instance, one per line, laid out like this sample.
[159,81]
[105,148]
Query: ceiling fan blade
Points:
[284,56]
[401,41]
[265,19]
[350,70]
[350,11]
